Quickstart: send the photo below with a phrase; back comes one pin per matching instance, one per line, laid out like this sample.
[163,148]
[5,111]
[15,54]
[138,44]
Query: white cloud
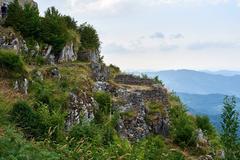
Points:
[110,6]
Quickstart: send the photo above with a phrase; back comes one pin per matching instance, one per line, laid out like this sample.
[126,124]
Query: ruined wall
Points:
[133,80]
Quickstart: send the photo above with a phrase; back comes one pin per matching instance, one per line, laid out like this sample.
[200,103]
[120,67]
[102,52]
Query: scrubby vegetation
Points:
[11,64]
[33,126]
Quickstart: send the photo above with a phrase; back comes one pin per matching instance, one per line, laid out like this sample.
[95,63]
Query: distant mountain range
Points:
[203,92]
[210,104]
[196,82]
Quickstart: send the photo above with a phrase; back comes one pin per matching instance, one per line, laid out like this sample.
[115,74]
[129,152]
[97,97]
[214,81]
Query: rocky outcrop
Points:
[100,71]
[136,120]
[67,54]
[10,40]
[133,80]
[81,108]
[88,56]
[132,124]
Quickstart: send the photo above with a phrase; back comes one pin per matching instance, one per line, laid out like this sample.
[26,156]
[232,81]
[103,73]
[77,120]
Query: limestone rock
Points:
[67,54]
[81,108]
[133,123]
[10,40]
[22,85]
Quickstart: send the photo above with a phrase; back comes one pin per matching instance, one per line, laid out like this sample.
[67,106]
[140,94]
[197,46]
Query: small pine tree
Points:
[14,17]
[230,126]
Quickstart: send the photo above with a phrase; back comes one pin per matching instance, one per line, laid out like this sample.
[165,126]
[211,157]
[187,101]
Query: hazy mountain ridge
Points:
[196,82]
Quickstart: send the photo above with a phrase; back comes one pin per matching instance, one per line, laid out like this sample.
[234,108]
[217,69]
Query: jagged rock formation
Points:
[67,54]
[81,107]
[10,40]
[137,120]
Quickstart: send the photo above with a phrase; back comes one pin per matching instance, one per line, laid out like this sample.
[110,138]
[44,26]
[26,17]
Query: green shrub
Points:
[11,62]
[105,106]
[13,146]
[54,30]
[24,116]
[114,70]
[37,123]
[24,19]
[153,148]
[182,127]
[89,38]
[205,125]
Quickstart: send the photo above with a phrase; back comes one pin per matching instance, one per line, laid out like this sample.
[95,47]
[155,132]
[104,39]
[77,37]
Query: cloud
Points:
[168,48]
[176,36]
[109,6]
[114,48]
[213,45]
[157,35]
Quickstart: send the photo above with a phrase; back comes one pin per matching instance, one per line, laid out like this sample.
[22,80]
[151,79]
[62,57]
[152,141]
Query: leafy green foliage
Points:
[13,146]
[182,125]
[205,125]
[25,20]
[54,30]
[89,38]
[11,62]
[230,125]
[38,123]
[153,148]
[114,70]
[105,106]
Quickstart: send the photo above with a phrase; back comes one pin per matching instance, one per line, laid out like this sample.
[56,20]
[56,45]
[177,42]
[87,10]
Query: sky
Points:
[151,35]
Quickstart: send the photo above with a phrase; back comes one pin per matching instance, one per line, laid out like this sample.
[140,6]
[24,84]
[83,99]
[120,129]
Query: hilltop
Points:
[59,100]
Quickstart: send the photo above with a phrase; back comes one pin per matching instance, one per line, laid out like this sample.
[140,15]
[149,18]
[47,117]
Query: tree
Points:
[89,38]
[15,13]
[205,125]
[25,20]
[230,125]
[182,128]
[54,30]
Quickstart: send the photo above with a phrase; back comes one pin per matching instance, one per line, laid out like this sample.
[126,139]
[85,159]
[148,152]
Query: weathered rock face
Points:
[100,71]
[81,108]
[67,54]
[133,80]
[88,56]
[134,123]
[10,40]
[156,93]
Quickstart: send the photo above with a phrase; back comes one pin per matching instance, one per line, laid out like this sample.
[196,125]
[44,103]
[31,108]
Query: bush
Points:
[153,148]
[89,38]
[105,106]
[11,62]
[205,125]
[38,123]
[54,31]
[25,118]
[25,20]
[182,127]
